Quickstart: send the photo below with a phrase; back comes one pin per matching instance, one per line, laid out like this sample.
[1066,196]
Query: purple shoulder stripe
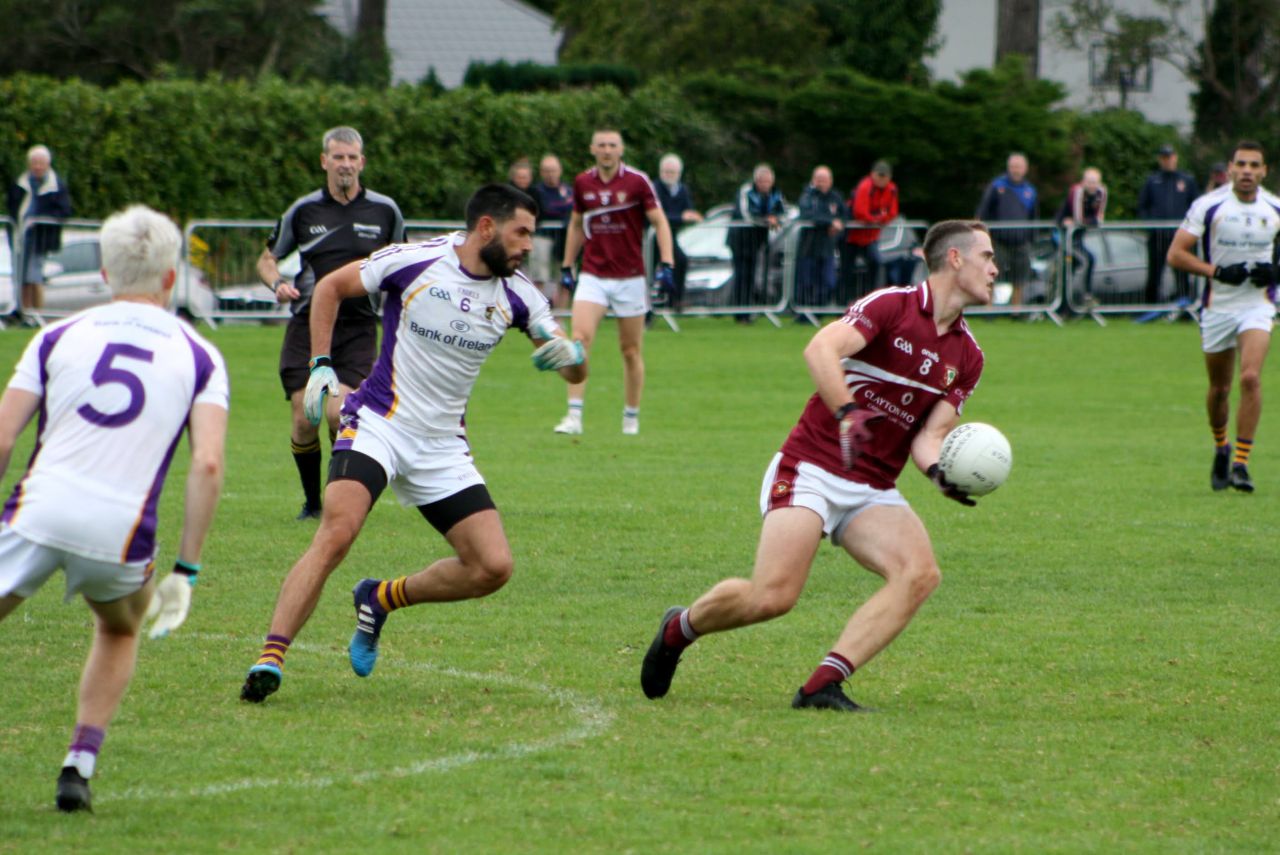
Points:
[519,309]
[403,278]
[204,365]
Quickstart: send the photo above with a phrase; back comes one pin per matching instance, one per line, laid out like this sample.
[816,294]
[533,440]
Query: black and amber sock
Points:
[390,595]
[1220,437]
[307,459]
[273,651]
[1243,447]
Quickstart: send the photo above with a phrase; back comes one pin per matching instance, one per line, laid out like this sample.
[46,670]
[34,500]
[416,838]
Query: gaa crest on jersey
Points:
[781,488]
[622,197]
[488,312]
[949,377]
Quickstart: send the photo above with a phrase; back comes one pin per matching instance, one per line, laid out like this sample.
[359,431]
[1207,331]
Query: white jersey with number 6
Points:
[116,383]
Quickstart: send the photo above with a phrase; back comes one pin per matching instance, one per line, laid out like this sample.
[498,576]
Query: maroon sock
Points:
[679,633]
[834,669]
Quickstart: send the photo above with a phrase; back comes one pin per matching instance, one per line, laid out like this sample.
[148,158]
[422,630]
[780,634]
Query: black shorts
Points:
[353,350]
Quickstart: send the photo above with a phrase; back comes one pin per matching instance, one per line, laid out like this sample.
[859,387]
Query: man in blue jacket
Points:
[38,192]
[1011,197]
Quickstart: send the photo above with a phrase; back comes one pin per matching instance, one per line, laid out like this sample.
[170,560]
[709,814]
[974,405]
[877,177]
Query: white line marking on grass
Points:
[592,722]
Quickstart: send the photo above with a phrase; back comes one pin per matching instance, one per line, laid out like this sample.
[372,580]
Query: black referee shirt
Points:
[329,234]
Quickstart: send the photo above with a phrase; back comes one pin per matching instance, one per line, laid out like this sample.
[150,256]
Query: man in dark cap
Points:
[1166,195]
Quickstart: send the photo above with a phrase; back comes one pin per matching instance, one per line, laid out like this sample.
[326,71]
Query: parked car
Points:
[709,281]
[1119,269]
[73,281]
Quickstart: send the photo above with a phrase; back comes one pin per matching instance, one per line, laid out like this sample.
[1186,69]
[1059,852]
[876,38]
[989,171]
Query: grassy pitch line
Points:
[592,721]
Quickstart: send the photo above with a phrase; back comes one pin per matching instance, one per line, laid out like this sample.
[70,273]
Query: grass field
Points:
[1098,671]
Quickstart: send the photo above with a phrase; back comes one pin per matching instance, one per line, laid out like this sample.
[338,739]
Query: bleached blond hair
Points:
[139,246]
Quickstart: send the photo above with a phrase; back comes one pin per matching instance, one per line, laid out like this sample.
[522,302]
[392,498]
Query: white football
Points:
[976,458]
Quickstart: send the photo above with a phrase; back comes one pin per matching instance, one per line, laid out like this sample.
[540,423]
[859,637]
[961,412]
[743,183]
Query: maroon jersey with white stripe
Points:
[903,371]
[613,219]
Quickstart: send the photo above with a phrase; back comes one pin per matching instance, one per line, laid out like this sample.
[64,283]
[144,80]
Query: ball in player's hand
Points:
[976,458]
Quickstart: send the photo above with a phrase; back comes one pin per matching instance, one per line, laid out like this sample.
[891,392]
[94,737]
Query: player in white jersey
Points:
[1236,228]
[114,387]
[447,304]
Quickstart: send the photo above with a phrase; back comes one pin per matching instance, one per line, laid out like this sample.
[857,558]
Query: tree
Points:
[1018,31]
[884,39]
[113,40]
[1130,42]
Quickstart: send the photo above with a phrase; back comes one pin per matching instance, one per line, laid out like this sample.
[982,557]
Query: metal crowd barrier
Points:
[734,269]
[72,274]
[831,271]
[1120,268]
[10,280]
[218,280]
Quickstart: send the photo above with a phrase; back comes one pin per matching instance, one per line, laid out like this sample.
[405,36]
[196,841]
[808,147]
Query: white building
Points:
[967,30]
[448,35]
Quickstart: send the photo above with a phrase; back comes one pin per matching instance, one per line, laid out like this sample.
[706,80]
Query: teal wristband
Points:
[317,361]
[186,568]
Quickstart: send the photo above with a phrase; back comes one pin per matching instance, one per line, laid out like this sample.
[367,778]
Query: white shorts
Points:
[1219,328]
[420,469]
[791,483]
[627,298]
[26,566]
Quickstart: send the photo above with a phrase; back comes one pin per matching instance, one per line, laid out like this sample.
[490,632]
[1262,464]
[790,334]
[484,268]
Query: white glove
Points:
[323,381]
[170,604]
[558,353]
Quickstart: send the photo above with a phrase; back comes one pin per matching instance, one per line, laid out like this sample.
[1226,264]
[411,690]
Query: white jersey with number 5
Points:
[116,386]
[440,322]
[1234,232]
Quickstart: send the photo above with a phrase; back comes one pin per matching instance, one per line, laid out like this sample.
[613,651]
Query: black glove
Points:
[1235,274]
[567,280]
[665,277]
[854,431]
[951,491]
[1263,274]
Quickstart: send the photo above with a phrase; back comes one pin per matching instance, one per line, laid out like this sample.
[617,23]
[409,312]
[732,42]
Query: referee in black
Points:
[337,224]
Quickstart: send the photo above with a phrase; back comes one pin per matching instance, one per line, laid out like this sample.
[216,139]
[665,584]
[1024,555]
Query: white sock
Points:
[83,761]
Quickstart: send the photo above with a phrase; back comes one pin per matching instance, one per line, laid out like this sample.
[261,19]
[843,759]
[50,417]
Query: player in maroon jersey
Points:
[892,376]
[611,205]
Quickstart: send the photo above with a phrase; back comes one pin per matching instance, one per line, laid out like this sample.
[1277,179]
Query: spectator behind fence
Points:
[38,192]
[823,207]
[1085,206]
[1217,177]
[677,205]
[520,175]
[1011,197]
[759,205]
[874,202]
[1166,195]
[555,203]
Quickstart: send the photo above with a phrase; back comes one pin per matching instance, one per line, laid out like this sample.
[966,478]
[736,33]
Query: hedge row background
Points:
[245,150]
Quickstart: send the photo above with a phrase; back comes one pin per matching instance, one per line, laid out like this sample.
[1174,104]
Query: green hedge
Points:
[245,150]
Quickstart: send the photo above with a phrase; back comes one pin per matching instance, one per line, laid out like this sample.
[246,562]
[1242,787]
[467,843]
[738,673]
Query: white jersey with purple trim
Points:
[1231,232]
[116,386]
[440,322]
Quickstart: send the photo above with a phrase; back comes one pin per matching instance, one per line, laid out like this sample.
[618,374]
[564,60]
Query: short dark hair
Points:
[1247,145]
[942,236]
[500,201]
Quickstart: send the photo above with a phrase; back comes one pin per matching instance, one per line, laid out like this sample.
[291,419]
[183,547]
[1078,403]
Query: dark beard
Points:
[495,258]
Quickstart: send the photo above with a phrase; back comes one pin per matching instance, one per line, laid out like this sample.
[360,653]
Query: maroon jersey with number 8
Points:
[903,371]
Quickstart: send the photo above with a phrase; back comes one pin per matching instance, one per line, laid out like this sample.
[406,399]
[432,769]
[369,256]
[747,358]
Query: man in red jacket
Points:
[874,203]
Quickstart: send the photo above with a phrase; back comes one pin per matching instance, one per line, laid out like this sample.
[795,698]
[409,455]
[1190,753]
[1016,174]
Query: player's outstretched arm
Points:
[926,448]
[823,356]
[16,409]
[172,601]
[573,240]
[1182,255]
[557,352]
